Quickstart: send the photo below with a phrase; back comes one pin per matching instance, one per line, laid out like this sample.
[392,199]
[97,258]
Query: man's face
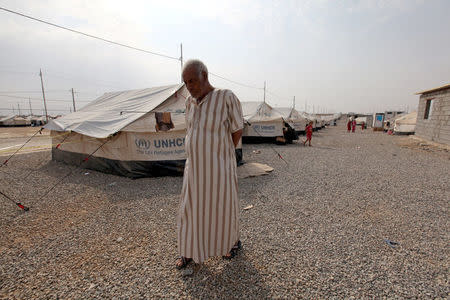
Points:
[194,82]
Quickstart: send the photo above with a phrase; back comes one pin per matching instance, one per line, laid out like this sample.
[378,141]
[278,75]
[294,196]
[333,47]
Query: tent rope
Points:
[71,171]
[271,147]
[6,161]
[20,205]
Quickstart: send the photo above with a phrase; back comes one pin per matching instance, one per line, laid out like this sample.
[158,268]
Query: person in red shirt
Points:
[349,125]
[353,125]
[309,131]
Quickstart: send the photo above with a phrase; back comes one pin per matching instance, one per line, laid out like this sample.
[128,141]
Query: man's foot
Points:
[233,252]
[182,262]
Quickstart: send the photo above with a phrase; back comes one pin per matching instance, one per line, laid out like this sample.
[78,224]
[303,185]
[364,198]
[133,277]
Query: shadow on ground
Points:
[237,278]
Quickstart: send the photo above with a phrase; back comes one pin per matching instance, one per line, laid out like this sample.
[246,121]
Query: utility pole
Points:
[306,106]
[181,61]
[29,102]
[264,92]
[293,105]
[73,99]
[18,108]
[14,112]
[43,96]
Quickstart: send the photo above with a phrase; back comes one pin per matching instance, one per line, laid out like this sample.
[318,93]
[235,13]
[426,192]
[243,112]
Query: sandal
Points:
[234,251]
[182,262]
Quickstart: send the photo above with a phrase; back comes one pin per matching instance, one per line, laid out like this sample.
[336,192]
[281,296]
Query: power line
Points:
[4,108]
[31,92]
[119,44]
[90,82]
[89,35]
[273,94]
[37,99]
[235,82]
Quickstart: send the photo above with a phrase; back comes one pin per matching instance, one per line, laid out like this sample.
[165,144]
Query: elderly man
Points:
[208,218]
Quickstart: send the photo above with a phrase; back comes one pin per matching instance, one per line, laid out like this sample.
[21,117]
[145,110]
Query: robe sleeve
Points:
[235,115]
[186,112]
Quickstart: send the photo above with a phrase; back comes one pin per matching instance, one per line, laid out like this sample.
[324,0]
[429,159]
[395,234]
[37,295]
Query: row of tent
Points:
[146,130]
[399,123]
[258,114]
[14,120]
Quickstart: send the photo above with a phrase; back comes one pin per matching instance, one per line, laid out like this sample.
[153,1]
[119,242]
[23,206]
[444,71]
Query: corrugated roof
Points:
[447,86]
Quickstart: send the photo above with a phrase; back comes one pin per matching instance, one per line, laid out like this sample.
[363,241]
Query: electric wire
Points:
[235,82]
[88,35]
[37,99]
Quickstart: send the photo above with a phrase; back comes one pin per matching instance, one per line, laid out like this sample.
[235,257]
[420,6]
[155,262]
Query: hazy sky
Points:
[336,55]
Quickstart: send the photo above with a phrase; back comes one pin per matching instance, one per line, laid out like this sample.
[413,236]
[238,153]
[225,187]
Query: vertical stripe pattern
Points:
[208,217]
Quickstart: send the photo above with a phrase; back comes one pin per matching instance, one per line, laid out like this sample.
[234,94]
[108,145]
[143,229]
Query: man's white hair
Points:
[198,65]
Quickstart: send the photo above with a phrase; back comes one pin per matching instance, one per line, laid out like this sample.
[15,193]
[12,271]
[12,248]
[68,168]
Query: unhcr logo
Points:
[142,143]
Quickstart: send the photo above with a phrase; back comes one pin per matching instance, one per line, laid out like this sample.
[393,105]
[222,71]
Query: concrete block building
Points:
[433,115]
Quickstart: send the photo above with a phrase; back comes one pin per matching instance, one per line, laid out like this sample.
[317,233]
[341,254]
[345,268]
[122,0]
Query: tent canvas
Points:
[139,143]
[406,124]
[261,120]
[294,118]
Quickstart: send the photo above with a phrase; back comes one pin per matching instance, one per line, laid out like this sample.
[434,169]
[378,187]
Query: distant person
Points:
[208,217]
[363,126]
[309,131]
[349,124]
[353,125]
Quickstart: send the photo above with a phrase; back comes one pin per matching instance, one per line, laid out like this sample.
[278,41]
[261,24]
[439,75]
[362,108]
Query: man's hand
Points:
[236,136]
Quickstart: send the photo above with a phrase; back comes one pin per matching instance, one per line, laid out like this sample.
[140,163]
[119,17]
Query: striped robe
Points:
[208,217]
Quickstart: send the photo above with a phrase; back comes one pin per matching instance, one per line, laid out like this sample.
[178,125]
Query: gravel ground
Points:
[317,229]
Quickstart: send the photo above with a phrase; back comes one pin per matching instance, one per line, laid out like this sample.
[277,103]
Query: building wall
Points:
[437,127]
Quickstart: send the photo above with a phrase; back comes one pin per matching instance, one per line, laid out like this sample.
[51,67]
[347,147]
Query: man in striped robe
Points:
[208,217]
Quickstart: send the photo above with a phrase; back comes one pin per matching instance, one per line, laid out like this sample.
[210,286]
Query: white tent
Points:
[146,132]
[13,120]
[294,118]
[317,124]
[261,120]
[406,124]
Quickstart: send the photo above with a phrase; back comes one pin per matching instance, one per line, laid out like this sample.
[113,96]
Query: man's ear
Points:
[204,75]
